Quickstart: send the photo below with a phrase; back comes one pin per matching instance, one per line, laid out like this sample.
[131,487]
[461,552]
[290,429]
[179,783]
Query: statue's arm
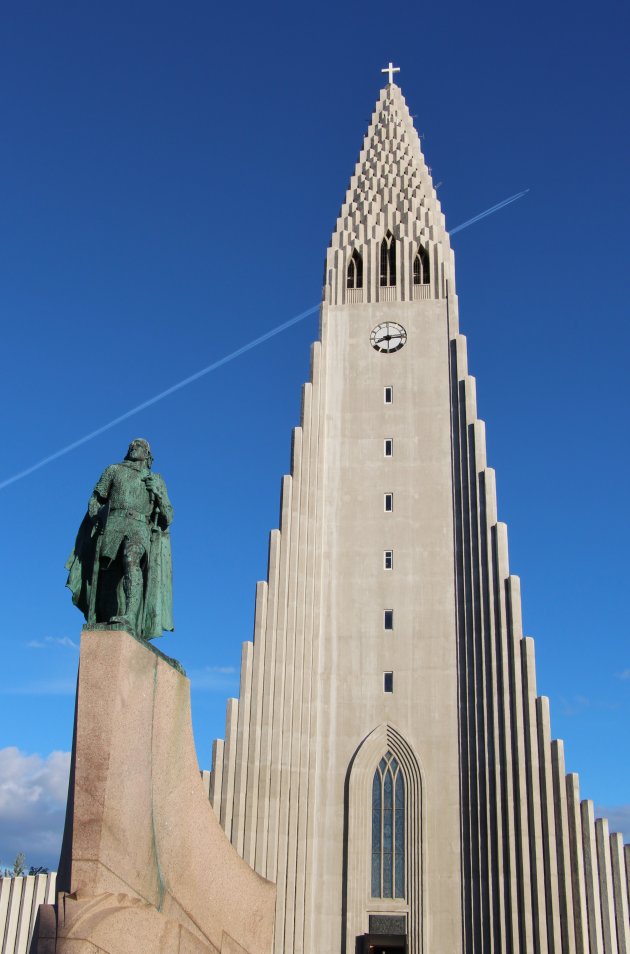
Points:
[100,494]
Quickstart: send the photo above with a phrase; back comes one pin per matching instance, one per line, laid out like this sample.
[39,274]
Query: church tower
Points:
[389,764]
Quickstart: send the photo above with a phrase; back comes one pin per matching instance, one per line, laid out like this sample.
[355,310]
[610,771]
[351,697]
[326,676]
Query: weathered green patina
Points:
[120,570]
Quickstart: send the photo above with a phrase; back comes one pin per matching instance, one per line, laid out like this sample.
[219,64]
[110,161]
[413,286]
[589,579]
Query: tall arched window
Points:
[388,260]
[354,278]
[421,267]
[369,831]
[388,829]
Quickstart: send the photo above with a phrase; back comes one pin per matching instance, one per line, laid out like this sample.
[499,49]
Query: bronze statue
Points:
[120,569]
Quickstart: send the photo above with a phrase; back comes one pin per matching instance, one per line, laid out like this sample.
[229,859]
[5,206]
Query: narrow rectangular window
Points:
[388,561]
[388,682]
[388,447]
[389,503]
[388,394]
[388,619]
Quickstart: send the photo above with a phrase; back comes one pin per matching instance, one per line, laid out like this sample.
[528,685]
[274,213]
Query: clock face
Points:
[388,337]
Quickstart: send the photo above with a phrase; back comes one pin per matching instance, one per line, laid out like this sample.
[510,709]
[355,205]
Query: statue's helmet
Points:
[139,442]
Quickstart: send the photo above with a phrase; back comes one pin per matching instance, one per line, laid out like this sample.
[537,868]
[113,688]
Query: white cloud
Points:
[618,818]
[45,687]
[49,642]
[624,674]
[213,678]
[576,705]
[33,792]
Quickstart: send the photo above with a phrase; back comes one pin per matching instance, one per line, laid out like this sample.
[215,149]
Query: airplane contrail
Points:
[158,397]
[490,211]
[216,364]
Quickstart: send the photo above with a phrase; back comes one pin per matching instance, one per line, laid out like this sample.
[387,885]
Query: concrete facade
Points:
[500,855]
[20,899]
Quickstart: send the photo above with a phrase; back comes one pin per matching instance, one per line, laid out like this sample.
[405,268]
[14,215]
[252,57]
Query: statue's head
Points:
[139,449]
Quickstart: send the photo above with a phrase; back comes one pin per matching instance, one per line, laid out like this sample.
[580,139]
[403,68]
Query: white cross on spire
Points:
[391,69]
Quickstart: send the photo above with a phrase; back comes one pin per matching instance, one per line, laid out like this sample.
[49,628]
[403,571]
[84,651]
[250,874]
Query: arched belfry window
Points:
[354,278]
[421,267]
[388,260]
[388,829]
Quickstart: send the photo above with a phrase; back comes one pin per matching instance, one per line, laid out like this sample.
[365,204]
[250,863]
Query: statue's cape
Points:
[157,610]
[80,565]
[157,613]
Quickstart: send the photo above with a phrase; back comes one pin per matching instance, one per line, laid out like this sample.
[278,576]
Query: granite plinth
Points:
[145,865]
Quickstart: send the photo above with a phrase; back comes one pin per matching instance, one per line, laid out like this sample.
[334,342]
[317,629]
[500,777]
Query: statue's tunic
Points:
[130,507]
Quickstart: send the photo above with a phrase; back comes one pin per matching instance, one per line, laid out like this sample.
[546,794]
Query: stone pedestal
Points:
[145,865]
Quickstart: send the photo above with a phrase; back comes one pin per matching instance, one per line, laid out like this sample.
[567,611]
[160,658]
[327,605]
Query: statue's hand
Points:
[152,485]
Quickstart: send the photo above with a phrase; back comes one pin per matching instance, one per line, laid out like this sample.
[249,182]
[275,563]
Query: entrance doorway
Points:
[382,944]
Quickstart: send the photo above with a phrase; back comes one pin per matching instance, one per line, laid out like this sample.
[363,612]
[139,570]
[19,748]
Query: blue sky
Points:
[169,179]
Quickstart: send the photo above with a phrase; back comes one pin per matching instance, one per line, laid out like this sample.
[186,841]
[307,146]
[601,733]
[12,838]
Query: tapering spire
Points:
[391,190]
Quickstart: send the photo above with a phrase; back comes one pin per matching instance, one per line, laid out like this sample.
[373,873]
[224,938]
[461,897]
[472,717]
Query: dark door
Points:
[382,944]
